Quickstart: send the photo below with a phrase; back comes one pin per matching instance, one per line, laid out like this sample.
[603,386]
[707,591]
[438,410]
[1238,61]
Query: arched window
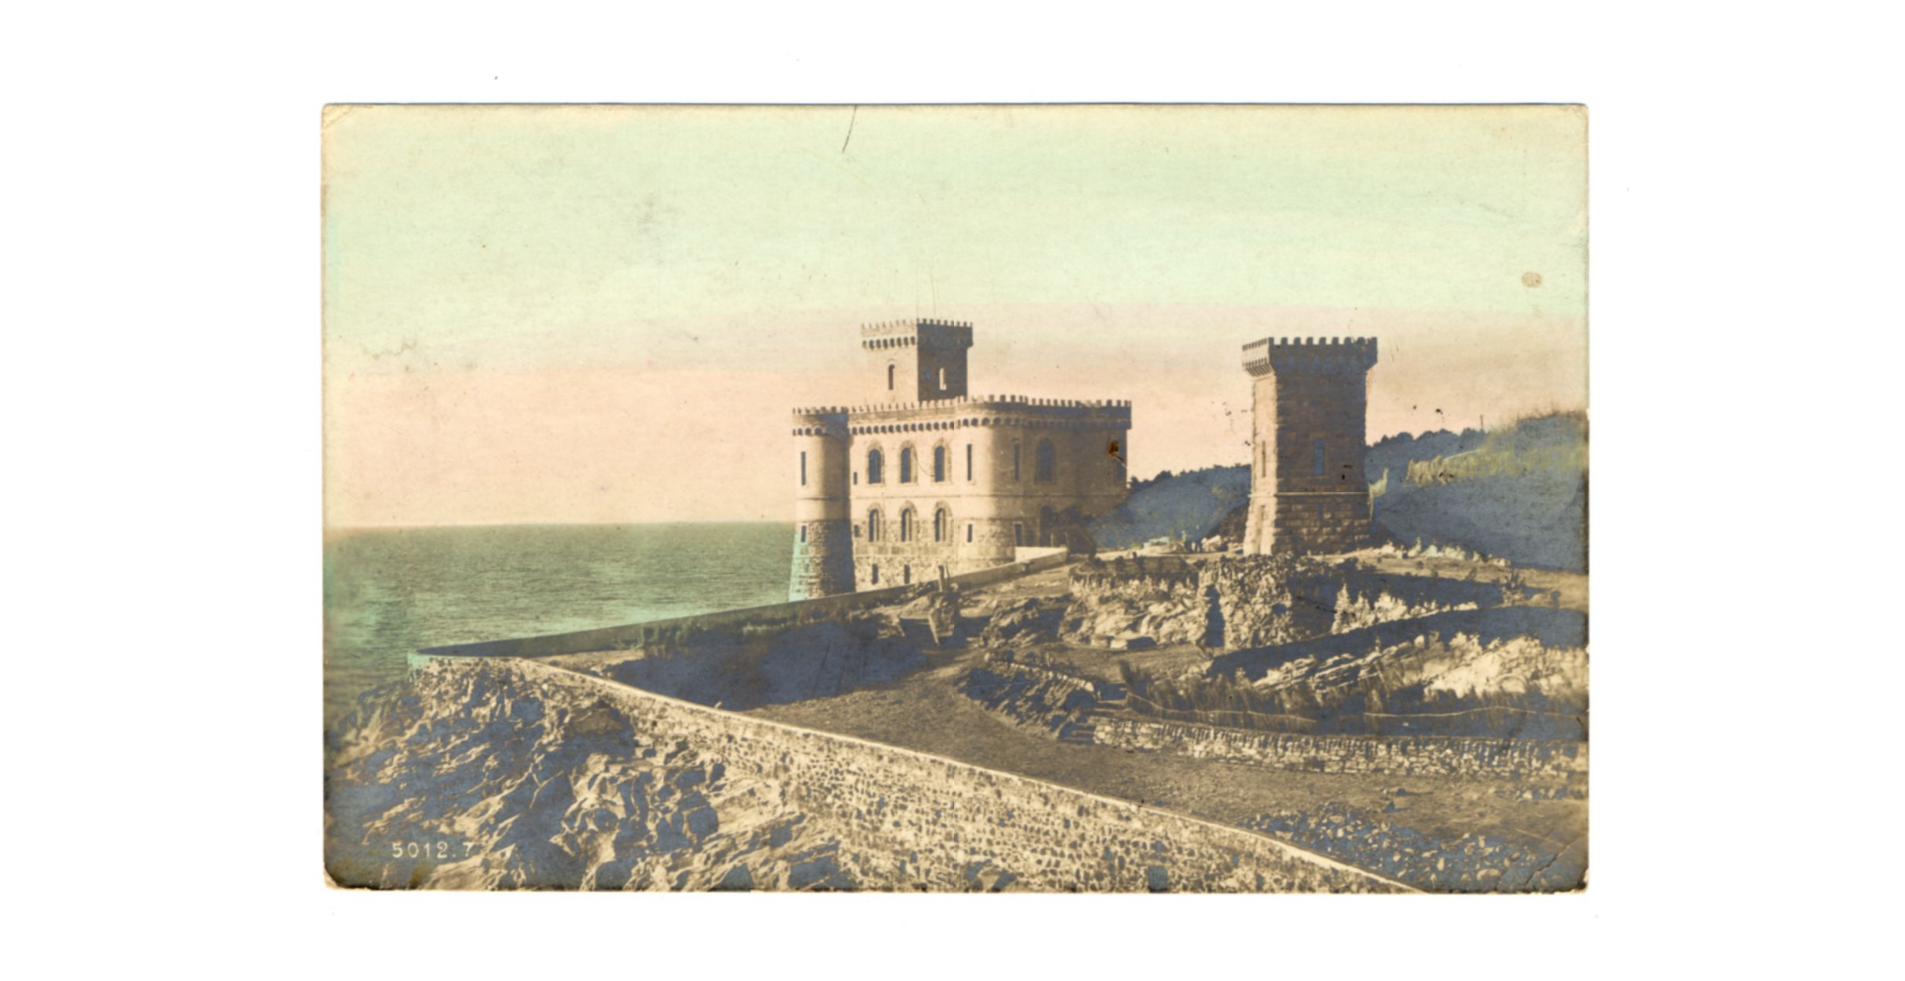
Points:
[873,525]
[942,525]
[906,525]
[906,465]
[939,464]
[876,466]
[890,374]
[1045,464]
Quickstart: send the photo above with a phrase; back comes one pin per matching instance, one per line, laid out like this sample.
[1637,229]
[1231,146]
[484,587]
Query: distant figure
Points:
[942,615]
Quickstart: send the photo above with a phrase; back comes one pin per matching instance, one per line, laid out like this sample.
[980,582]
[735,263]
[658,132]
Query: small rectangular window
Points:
[968,461]
[876,575]
[803,533]
[968,532]
[1316,460]
[1018,534]
[803,468]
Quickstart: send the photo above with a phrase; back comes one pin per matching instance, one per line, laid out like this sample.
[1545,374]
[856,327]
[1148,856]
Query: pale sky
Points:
[604,314]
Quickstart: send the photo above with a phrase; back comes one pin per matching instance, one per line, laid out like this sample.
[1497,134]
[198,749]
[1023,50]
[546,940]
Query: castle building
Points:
[922,478]
[1310,404]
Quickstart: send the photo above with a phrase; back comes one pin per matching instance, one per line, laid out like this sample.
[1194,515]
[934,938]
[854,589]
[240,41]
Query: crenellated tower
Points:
[823,530]
[924,480]
[1310,409]
[917,360]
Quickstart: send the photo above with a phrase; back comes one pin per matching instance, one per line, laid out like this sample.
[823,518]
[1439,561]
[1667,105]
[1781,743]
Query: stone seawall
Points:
[774,616]
[882,817]
[1408,756]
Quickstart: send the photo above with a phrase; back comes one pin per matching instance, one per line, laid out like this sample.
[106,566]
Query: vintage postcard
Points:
[956,498]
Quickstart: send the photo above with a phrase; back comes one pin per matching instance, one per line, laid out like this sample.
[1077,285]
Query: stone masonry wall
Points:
[1412,756]
[913,821]
[774,616]
[823,560]
[1311,524]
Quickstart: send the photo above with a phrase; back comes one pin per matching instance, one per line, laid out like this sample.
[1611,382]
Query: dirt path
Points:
[1573,586]
[926,712]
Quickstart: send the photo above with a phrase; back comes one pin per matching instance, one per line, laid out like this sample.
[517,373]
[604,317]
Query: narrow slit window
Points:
[1316,458]
[968,461]
[803,533]
[803,468]
[1015,461]
[891,372]
[969,531]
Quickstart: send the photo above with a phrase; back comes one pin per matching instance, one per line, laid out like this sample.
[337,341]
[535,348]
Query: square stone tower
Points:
[917,360]
[1310,408]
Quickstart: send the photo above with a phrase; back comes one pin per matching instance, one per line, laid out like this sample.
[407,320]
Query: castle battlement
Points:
[990,410]
[872,510]
[904,414]
[1309,354]
[1309,417]
[1015,401]
[928,333]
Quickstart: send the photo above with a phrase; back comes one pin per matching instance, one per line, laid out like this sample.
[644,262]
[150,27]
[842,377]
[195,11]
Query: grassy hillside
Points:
[1518,492]
[1185,505]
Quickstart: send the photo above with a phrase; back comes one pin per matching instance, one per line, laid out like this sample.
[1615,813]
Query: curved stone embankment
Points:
[515,774]
[1474,862]
[678,632]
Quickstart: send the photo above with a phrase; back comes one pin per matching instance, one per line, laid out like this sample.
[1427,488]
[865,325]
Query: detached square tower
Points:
[1310,407]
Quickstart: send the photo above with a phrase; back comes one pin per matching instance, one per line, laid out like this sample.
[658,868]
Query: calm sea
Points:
[390,592]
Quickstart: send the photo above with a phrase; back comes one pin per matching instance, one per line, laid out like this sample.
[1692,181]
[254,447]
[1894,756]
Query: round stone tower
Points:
[823,530]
